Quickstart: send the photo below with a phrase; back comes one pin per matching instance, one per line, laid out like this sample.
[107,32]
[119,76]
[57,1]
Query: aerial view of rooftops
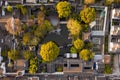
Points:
[59,39]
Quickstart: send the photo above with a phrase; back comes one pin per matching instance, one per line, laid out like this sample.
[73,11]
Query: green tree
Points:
[48,25]
[4,54]
[26,38]
[85,28]
[88,15]
[108,2]
[9,8]
[108,69]
[78,44]
[40,32]
[13,54]
[49,51]
[63,9]
[28,55]
[88,45]
[86,54]
[74,27]
[22,8]
[73,50]
[33,65]
[34,41]
[43,29]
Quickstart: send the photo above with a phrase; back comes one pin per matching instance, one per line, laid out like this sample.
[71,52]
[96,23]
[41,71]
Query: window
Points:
[65,65]
[87,67]
[74,65]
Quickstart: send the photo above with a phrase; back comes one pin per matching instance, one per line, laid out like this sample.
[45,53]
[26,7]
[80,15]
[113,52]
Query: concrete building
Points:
[98,29]
[114,41]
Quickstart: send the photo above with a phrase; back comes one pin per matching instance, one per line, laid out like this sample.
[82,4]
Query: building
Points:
[72,65]
[98,29]
[114,39]
[13,2]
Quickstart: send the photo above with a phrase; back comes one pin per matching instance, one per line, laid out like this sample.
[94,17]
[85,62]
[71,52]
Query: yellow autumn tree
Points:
[49,51]
[13,54]
[16,24]
[63,9]
[74,27]
[26,38]
[88,15]
[89,1]
[78,44]
[109,2]
[9,8]
[86,54]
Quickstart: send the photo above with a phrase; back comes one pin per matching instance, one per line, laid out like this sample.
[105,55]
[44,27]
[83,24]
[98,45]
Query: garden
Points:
[32,31]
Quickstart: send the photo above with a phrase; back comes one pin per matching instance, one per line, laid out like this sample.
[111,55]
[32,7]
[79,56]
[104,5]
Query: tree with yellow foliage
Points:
[78,44]
[33,65]
[109,2]
[74,27]
[17,26]
[9,8]
[89,1]
[22,8]
[26,38]
[13,54]
[86,54]
[88,15]
[49,51]
[63,9]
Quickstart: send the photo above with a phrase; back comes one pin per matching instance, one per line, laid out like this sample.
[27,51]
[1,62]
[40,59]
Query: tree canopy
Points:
[74,27]
[88,15]
[63,9]
[78,44]
[22,8]
[86,54]
[73,50]
[49,51]
[109,2]
[34,41]
[89,1]
[43,29]
[26,38]
[33,65]
[13,54]
[9,8]
[108,69]
[28,55]
[17,26]
[88,45]
[29,39]
[41,18]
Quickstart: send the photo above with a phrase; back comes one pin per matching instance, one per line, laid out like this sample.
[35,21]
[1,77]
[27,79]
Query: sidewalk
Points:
[116,65]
